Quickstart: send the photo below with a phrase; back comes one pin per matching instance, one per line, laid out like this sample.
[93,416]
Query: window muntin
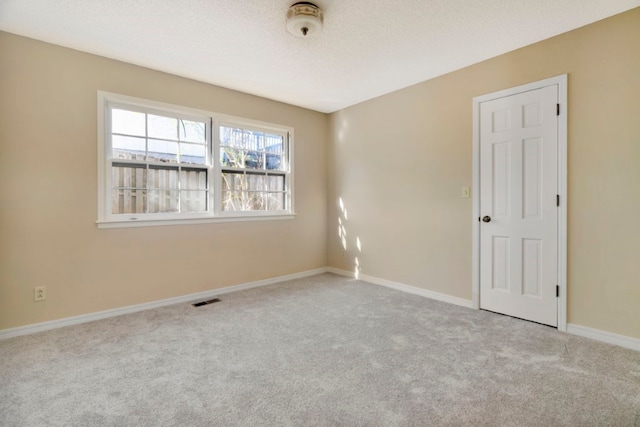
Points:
[164,162]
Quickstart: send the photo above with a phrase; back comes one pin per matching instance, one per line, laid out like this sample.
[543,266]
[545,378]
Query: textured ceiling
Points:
[367,47]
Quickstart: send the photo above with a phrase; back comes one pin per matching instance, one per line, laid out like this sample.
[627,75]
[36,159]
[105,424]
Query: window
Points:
[158,162]
[253,169]
[161,163]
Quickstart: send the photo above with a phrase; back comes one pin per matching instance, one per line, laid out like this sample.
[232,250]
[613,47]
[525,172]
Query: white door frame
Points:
[561,82]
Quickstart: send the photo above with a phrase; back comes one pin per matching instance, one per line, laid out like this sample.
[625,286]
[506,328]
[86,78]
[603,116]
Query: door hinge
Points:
[557,291]
[557,200]
[557,109]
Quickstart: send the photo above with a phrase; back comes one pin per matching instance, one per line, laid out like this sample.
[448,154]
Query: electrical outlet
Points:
[40,293]
[344,253]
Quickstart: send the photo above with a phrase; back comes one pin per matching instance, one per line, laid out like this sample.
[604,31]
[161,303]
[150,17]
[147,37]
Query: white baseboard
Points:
[404,288]
[90,317]
[608,337]
[583,331]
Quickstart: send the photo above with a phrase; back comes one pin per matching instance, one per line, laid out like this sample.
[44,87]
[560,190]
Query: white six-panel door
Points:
[518,212]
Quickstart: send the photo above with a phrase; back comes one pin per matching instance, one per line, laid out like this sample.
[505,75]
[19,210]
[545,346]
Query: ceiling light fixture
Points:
[304,19]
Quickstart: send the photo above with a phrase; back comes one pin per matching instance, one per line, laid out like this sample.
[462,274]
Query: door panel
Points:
[532,177]
[501,178]
[500,267]
[518,187]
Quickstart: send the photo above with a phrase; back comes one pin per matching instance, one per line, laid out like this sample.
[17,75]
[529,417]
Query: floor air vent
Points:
[211,301]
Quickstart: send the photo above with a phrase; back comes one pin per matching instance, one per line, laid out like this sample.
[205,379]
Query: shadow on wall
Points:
[343,218]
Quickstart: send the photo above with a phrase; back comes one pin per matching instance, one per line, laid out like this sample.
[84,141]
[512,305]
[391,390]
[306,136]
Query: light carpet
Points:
[320,351]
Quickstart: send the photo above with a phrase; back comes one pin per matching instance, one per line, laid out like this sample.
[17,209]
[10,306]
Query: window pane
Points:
[127,147]
[253,160]
[194,154]
[192,131]
[163,178]
[230,137]
[274,144]
[232,157]
[162,201]
[162,127]
[256,182]
[130,177]
[276,201]
[193,179]
[276,183]
[274,162]
[231,200]
[127,122]
[228,181]
[128,201]
[257,202]
[162,151]
[193,201]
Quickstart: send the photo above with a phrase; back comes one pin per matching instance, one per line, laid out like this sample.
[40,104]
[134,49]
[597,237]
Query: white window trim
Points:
[215,214]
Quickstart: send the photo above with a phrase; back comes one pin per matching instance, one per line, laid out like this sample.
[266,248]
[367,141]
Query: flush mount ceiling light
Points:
[304,19]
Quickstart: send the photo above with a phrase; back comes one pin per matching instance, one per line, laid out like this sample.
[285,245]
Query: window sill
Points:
[191,221]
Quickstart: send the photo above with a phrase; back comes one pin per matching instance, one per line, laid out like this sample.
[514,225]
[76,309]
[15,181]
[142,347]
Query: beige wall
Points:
[48,182]
[399,162]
